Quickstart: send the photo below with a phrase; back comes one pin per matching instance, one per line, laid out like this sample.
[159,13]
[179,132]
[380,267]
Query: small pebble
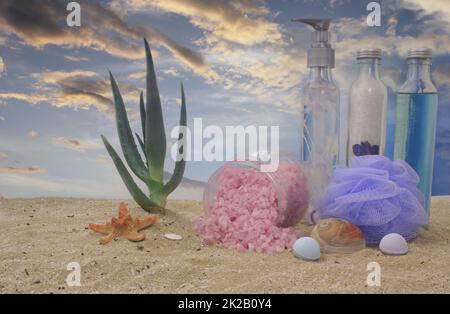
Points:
[306,248]
[173,236]
[393,244]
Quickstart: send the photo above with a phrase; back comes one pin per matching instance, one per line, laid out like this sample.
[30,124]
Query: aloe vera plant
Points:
[152,143]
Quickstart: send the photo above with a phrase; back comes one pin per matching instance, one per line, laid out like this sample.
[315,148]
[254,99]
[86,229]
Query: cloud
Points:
[73,144]
[2,65]
[103,29]
[76,58]
[172,71]
[241,22]
[391,45]
[435,6]
[39,23]
[3,155]
[441,74]
[137,76]
[81,90]
[348,26]
[23,170]
[32,134]
[30,98]
[2,118]
[271,77]
[238,28]
[76,89]
[392,24]
[243,44]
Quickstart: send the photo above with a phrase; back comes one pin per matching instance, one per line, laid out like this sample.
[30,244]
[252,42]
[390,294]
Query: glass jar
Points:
[249,189]
[367,108]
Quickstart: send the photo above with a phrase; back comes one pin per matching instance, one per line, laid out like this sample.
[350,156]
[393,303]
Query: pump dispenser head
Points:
[320,54]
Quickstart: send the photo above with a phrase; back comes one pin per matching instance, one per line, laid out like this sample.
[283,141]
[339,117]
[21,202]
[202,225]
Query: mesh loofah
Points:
[377,195]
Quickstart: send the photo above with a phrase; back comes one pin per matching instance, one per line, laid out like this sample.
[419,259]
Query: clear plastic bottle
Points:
[415,130]
[320,100]
[367,108]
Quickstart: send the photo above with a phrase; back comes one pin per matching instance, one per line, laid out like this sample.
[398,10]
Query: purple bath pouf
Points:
[377,195]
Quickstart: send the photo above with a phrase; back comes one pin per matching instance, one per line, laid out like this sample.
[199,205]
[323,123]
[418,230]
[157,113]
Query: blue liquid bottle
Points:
[415,130]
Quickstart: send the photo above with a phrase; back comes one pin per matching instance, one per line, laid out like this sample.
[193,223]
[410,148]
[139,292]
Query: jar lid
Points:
[424,53]
[369,53]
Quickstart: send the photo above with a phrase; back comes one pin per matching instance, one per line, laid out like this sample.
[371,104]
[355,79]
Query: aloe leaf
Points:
[141,143]
[142,108]
[180,164]
[155,136]
[129,147]
[132,187]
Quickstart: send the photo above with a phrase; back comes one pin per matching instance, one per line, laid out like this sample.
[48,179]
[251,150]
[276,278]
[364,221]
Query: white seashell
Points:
[173,236]
[393,244]
[306,248]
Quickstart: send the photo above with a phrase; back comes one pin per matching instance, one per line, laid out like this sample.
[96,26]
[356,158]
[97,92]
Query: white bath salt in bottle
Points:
[367,108]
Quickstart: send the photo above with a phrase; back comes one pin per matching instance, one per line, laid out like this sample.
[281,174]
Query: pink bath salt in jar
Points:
[243,193]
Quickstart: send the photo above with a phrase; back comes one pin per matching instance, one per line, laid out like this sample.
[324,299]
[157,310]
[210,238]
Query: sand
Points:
[41,236]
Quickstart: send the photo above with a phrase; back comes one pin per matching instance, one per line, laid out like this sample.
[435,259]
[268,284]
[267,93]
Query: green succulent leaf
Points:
[155,136]
[127,142]
[180,164]
[141,143]
[152,143]
[142,109]
[132,187]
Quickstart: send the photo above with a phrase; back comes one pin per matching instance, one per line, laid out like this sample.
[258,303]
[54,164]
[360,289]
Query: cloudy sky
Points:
[241,62]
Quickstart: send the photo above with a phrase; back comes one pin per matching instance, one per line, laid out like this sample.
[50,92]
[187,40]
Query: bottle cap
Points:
[320,53]
[369,53]
[423,53]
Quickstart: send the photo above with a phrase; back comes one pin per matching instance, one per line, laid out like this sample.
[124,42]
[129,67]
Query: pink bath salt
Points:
[253,212]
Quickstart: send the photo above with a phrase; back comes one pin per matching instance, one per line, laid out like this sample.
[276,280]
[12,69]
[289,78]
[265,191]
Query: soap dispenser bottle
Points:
[319,146]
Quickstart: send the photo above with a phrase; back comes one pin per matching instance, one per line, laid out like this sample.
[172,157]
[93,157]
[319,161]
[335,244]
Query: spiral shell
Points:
[338,236]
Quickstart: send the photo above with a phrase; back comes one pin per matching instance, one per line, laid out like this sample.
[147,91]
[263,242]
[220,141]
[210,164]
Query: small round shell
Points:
[306,248]
[393,244]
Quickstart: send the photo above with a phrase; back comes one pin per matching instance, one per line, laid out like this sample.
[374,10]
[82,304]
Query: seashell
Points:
[393,244]
[173,236]
[338,236]
[306,248]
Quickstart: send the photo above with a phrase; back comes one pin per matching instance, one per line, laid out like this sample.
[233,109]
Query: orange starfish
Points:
[123,226]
